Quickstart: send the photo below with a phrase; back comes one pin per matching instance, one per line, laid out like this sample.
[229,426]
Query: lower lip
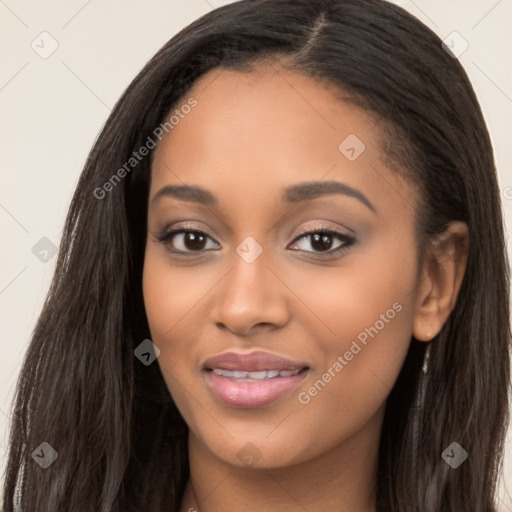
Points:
[250,395]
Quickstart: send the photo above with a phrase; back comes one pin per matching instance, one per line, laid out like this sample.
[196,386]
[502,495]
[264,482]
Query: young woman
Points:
[282,283]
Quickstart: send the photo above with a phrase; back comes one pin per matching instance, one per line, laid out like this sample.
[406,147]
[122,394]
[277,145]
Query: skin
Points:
[250,136]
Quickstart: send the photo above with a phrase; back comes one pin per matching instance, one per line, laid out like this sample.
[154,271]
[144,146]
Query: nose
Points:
[250,299]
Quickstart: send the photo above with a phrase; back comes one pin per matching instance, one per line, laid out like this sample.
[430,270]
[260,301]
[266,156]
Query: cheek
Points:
[166,301]
[368,297]
[174,300]
[368,310]
[173,296]
[362,362]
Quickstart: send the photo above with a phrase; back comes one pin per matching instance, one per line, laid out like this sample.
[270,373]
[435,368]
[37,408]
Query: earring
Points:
[426,359]
[420,396]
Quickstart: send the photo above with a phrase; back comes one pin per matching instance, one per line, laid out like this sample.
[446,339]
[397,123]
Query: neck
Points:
[342,479]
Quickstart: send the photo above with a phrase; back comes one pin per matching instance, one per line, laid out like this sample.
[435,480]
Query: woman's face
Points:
[294,258]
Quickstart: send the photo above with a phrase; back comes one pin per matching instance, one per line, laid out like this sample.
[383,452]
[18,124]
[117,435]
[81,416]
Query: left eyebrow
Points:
[314,189]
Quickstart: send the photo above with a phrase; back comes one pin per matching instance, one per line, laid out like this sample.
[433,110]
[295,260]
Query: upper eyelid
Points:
[303,232]
[184,228]
[320,229]
[167,234]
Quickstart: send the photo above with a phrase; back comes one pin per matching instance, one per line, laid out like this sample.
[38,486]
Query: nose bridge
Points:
[250,294]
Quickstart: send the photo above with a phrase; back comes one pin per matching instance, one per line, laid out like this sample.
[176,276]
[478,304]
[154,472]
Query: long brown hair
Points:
[120,440]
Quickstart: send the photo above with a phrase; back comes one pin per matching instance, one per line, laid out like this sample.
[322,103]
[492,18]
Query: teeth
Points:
[258,375]
[287,373]
[254,376]
[224,373]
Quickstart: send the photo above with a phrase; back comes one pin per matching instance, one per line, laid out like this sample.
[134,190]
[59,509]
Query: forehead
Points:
[257,131]
[273,103]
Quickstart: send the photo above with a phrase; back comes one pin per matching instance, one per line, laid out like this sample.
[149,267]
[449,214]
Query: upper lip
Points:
[252,362]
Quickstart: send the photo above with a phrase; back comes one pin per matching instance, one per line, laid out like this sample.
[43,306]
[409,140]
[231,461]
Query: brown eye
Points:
[327,242]
[321,241]
[187,241]
[194,241]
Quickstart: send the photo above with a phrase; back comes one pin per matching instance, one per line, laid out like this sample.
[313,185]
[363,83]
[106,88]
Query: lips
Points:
[252,380]
[252,362]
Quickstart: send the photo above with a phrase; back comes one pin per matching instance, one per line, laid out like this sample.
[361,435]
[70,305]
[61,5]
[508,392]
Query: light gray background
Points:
[52,110]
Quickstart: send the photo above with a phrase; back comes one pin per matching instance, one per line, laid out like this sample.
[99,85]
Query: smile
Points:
[242,376]
[251,380]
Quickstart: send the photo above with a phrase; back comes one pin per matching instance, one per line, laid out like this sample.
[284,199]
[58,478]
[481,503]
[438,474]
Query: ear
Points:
[443,269]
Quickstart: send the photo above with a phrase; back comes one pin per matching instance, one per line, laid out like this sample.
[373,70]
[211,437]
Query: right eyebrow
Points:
[191,193]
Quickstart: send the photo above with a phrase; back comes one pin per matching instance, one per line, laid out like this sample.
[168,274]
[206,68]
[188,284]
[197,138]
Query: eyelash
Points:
[166,236]
[326,230]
